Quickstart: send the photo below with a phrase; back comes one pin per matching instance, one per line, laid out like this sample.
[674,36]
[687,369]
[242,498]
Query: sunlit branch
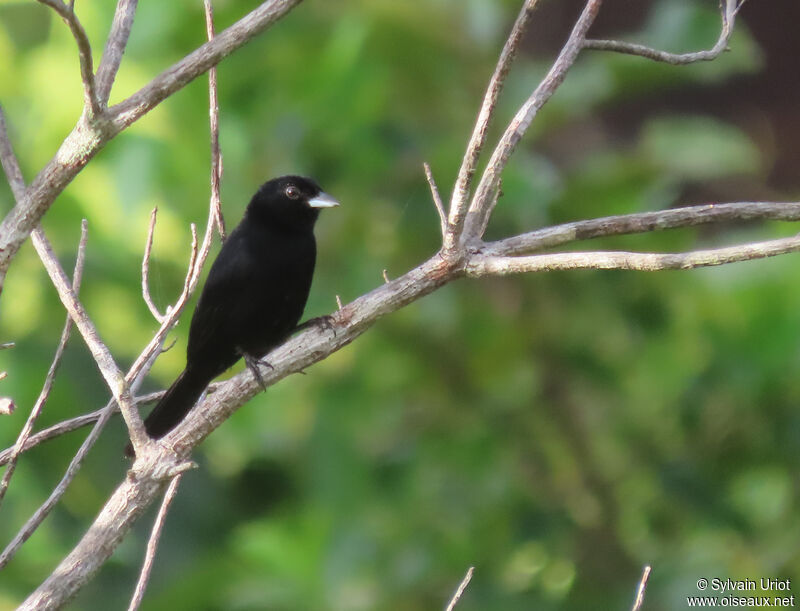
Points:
[462,587]
[487,265]
[639,600]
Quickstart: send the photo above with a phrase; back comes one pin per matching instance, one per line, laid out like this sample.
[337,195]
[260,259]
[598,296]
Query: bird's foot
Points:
[325,323]
[252,364]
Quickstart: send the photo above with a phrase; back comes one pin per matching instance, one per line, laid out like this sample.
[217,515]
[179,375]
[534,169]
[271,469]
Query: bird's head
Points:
[290,201]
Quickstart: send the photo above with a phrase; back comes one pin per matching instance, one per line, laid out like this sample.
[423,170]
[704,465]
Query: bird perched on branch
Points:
[254,295]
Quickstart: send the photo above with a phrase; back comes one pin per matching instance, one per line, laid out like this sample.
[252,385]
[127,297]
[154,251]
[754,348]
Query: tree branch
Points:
[460,198]
[729,10]
[482,203]
[152,543]
[72,424]
[462,587]
[124,506]
[437,199]
[9,160]
[199,61]
[639,601]
[148,247]
[51,374]
[67,13]
[642,222]
[116,381]
[486,265]
[115,48]
[213,116]
[72,470]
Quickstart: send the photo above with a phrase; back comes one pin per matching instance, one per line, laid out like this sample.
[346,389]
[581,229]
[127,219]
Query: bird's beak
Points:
[323,200]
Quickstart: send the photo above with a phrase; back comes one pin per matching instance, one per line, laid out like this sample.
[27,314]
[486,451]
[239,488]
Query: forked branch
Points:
[67,13]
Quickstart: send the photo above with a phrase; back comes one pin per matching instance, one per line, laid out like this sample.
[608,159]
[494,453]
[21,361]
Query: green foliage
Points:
[556,432]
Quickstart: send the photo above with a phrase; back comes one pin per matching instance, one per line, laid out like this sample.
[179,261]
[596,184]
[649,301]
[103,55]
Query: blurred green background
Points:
[557,432]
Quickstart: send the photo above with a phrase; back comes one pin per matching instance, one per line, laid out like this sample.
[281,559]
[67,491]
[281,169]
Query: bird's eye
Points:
[292,192]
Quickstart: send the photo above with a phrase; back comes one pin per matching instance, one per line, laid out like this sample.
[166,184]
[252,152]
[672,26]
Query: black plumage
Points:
[255,293]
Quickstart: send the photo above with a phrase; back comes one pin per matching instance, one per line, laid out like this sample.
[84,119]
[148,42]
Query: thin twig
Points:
[9,160]
[461,589]
[728,8]
[152,543]
[642,222]
[72,424]
[72,470]
[460,198]
[213,116]
[483,265]
[51,374]
[480,207]
[115,48]
[437,198]
[146,269]
[639,600]
[67,13]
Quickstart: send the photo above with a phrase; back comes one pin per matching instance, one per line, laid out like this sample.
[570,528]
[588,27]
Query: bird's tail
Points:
[174,405]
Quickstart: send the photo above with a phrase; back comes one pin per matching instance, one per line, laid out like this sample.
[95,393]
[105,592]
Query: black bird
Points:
[254,295]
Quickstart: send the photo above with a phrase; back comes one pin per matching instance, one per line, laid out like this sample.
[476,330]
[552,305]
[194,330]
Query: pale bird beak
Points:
[323,200]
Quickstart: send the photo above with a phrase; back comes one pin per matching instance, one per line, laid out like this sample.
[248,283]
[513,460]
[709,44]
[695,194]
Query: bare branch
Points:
[483,265]
[639,601]
[213,115]
[67,426]
[117,382]
[152,543]
[461,589]
[114,521]
[200,60]
[437,198]
[72,424]
[728,8]
[559,235]
[72,470]
[51,374]
[480,208]
[460,198]
[115,48]
[67,13]
[146,269]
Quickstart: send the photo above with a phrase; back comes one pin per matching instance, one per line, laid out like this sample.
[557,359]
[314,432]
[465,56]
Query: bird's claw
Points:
[252,364]
[325,323]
